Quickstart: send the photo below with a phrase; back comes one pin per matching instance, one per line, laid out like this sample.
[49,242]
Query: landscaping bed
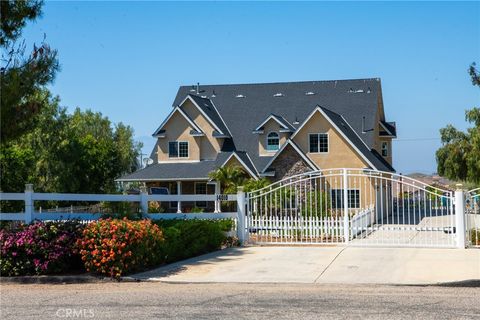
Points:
[107,247]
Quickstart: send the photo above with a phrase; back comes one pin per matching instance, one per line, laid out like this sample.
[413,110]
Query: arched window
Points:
[273,141]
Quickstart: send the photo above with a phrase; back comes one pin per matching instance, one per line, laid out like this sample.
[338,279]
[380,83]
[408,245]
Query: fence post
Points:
[144,201]
[241,215]
[28,203]
[346,229]
[460,217]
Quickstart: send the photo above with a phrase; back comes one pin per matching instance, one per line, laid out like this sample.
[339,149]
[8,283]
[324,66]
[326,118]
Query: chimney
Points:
[198,87]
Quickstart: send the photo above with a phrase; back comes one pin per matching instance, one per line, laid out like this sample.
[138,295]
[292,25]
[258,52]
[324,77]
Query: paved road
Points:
[149,300]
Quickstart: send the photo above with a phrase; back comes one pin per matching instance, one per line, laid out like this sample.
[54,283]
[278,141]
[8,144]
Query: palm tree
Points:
[230,177]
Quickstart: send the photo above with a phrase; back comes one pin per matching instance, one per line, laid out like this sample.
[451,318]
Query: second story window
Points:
[385,149]
[178,149]
[273,142]
[318,142]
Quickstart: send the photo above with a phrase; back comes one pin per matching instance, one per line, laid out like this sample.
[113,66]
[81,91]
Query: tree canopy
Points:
[40,142]
[22,75]
[459,156]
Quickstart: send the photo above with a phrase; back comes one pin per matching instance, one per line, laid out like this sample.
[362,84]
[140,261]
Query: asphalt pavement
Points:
[158,300]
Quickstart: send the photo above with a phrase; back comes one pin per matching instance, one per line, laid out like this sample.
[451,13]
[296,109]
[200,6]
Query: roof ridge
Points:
[284,82]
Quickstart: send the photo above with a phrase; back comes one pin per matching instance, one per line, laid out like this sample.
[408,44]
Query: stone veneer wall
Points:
[288,163]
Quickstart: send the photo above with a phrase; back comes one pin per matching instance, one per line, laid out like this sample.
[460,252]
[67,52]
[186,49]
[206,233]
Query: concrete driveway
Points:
[352,265]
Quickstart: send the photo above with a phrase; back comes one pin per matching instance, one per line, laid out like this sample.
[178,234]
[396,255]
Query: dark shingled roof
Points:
[209,109]
[184,170]
[237,109]
[353,99]
[340,122]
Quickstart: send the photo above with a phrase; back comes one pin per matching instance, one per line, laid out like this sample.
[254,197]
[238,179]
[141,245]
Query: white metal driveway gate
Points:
[354,206]
[472,217]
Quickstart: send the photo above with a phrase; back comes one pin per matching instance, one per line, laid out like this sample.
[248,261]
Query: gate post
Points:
[241,215]
[460,217]
[346,228]
[28,203]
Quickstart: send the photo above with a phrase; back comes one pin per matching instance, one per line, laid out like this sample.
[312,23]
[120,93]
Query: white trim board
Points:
[274,118]
[177,109]
[242,163]
[294,145]
[188,97]
[319,109]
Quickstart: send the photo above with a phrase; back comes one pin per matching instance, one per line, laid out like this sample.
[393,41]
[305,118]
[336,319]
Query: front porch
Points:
[190,187]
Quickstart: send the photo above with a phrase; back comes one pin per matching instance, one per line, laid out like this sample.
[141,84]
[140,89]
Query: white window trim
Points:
[266,142]
[385,143]
[349,189]
[206,192]
[328,142]
[178,148]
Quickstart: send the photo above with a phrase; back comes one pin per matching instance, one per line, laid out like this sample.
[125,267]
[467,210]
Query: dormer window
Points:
[273,141]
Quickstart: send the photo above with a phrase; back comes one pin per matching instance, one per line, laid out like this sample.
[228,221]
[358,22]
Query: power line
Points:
[416,139]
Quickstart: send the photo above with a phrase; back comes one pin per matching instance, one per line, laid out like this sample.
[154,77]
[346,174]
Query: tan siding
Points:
[209,146]
[178,129]
[340,153]
[270,126]
[234,162]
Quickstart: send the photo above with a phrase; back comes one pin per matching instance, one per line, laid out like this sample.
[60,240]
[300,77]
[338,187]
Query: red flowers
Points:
[115,247]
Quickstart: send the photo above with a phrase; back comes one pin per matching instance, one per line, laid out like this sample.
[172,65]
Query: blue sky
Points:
[127,59]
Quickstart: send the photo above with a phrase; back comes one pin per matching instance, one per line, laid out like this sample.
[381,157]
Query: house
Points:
[272,130]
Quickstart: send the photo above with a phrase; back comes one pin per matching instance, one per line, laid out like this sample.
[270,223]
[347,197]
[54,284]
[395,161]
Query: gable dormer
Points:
[272,134]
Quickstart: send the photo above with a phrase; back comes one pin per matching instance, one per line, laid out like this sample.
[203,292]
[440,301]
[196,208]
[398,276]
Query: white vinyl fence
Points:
[29,213]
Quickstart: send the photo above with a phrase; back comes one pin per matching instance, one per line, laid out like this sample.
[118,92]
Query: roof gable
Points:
[354,99]
[289,142]
[183,114]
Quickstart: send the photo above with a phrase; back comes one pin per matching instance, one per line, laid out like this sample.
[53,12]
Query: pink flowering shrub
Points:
[39,248]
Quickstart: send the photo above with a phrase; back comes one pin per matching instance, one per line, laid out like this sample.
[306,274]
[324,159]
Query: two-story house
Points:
[272,130]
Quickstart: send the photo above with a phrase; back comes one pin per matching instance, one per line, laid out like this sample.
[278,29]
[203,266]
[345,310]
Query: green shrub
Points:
[189,238]
[475,234]
[40,248]
[120,210]
[117,247]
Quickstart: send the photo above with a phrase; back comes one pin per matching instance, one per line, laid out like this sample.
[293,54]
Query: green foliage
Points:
[252,184]
[230,177]
[120,210]
[189,238]
[459,156]
[79,153]
[23,76]
[316,204]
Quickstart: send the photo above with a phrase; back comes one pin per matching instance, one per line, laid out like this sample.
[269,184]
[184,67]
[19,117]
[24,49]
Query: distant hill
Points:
[433,179]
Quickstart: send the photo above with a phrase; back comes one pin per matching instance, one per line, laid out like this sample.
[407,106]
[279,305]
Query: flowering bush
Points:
[39,248]
[114,247]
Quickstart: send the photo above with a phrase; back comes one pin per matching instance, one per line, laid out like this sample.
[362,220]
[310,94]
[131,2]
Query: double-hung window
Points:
[353,198]
[178,149]
[318,142]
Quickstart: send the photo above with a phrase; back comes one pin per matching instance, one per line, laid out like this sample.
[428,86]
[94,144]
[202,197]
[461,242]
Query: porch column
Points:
[218,206]
[179,192]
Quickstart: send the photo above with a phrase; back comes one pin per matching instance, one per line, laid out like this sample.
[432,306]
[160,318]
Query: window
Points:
[353,198]
[273,142]
[178,149]
[385,149]
[201,188]
[318,142]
